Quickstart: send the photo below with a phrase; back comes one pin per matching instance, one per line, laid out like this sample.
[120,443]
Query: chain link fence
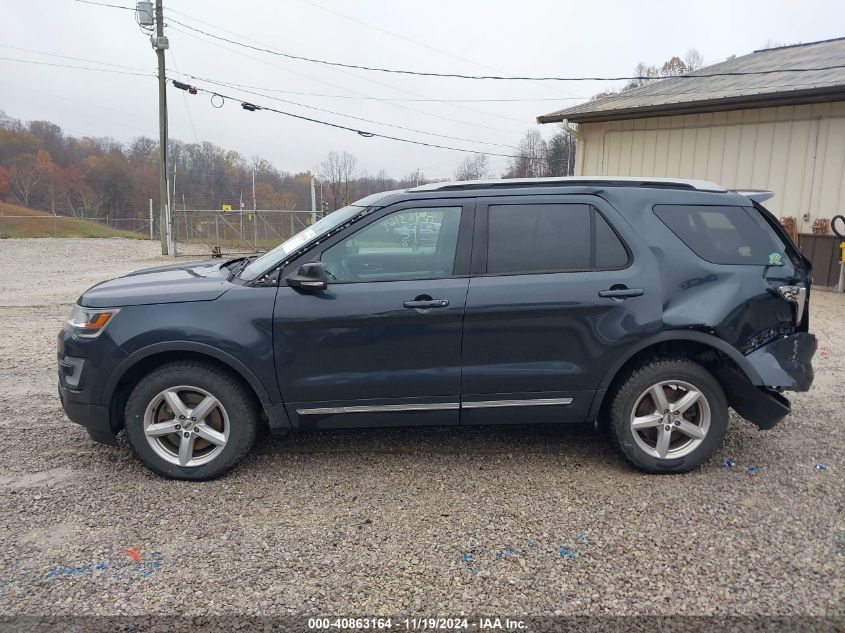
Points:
[197,233]
[202,233]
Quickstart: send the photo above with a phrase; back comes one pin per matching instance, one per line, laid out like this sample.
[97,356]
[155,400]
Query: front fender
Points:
[184,346]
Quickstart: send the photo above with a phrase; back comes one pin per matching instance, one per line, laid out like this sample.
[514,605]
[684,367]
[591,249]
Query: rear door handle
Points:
[621,293]
[425,304]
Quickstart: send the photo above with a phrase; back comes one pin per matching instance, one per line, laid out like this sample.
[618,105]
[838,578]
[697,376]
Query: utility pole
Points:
[254,214]
[313,202]
[254,202]
[160,44]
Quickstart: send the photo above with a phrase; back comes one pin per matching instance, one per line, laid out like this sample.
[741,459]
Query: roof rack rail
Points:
[574,181]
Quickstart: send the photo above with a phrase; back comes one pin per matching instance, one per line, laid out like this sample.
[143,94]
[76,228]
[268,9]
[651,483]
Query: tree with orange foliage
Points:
[268,197]
[4,181]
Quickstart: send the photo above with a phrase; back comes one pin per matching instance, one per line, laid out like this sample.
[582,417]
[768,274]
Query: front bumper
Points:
[84,365]
[94,417]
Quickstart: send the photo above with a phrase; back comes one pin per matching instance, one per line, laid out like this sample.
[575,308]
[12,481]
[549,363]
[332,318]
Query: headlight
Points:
[89,322]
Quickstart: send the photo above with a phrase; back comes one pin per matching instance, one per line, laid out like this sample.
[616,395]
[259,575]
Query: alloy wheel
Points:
[670,419]
[186,426]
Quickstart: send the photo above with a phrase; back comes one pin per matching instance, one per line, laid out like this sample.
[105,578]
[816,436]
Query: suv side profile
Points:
[650,305]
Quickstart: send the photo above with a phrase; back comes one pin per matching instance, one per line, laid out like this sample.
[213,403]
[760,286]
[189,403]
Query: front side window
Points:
[537,238]
[272,258]
[407,244]
[725,234]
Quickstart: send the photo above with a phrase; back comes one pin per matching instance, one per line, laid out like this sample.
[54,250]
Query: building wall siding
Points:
[798,152]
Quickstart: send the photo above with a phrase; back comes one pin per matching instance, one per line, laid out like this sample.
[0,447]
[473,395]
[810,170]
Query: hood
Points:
[174,283]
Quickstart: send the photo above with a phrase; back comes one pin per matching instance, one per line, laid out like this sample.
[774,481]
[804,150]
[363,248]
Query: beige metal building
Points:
[781,131]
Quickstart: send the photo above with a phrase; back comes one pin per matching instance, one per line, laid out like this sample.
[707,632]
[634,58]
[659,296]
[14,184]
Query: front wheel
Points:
[190,420]
[668,416]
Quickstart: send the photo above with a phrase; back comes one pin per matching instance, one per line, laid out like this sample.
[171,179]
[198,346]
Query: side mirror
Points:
[309,277]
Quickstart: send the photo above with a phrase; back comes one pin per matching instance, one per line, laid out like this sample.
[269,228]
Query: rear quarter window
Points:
[725,234]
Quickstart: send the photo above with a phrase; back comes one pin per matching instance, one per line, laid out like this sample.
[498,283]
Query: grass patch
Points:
[26,222]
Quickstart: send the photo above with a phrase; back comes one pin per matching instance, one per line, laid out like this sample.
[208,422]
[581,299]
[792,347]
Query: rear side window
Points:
[535,238]
[609,250]
[725,234]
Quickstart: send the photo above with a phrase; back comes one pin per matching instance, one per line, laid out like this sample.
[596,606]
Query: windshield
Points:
[269,259]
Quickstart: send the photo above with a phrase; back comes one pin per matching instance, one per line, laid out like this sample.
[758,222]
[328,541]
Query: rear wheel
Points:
[668,416]
[190,420]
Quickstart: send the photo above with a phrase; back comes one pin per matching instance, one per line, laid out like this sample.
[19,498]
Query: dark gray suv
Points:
[650,305]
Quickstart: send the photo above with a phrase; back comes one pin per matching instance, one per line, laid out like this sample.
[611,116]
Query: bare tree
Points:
[693,60]
[413,179]
[560,152]
[381,179]
[475,167]
[644,75]
[347,169]
[337,171]
[24,174]
[672,67]
[530,160]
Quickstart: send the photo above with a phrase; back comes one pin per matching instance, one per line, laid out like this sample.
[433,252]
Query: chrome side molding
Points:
[436,406]
[381,408]
[536,402]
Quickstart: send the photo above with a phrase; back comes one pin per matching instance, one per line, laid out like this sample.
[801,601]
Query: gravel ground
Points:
[432,521]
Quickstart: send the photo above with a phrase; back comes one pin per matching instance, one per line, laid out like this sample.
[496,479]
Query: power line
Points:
[78,59]
[259,46]
[359,96]
[349,116]
[391,99]
[246,105]
[697,75]
[102,70]
[418,43]
[106,4]
[185,100]
[419,73]
[366,98]
[339,87]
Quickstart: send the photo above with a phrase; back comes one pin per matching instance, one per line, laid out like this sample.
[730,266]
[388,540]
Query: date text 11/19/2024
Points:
[417,624]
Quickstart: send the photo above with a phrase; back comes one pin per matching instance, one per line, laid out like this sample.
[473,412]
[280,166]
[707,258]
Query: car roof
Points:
[569,181]
[659,187]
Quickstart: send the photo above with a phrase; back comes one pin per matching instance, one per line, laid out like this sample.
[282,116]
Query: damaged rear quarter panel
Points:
[787,362]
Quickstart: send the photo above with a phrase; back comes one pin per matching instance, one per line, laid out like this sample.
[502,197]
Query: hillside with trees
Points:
[43,168]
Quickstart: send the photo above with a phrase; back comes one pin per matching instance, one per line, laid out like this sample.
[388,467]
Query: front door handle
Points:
[617,292]
[425,304]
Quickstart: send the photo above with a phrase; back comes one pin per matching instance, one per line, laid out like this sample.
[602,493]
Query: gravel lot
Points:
[377,522]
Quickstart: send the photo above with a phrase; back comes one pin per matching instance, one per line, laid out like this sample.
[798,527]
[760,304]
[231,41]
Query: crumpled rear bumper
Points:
[786,363]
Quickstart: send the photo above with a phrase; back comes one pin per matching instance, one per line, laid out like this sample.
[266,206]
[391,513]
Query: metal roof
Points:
[632,181]
[687,94]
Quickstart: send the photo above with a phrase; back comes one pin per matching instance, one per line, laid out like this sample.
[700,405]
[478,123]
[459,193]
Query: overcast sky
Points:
[528,37]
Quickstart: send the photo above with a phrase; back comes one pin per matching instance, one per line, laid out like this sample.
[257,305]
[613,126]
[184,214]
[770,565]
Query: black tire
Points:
[629,391]
[228,390]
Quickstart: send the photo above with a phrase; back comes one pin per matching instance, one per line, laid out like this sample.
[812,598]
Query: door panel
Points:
[550,335]
[374,350]
[547,334]
[357,345]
